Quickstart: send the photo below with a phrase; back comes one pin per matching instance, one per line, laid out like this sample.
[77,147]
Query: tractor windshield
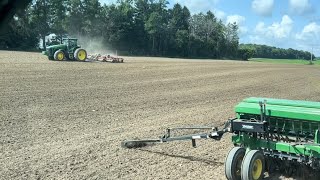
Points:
[70,42]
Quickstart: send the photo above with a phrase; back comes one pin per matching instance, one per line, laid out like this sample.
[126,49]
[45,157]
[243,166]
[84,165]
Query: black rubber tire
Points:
[249,165]
[76,54]
[233,163]
[51,58]
[56,55]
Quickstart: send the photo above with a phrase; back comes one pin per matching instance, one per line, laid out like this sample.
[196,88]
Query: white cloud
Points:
[309,34]
[219,14]
[262,7]
[309,38]
[243,31]
[300,7]
[260,28]
[277,32]
[239,20]
[277,29]
[280,34]
[282,29]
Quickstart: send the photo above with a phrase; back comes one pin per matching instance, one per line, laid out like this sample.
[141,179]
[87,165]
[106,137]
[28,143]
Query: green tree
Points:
[75,21]
[91,18]
[264,51]
[232,39]
[245,53]
[41,19]
[153,27]
[19,34]
[58,12]
[178,30]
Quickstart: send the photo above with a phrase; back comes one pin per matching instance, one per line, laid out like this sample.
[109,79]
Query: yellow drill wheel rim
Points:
[82,55]
[60,56]
[257,169]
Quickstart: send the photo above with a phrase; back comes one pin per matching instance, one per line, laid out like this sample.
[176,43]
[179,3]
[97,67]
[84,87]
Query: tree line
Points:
[264,51]
[133,27]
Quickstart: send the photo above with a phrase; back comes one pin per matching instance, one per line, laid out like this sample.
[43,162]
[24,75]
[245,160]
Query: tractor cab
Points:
[71,43]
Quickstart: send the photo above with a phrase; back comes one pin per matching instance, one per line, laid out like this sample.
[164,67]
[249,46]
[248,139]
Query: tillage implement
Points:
[268,135]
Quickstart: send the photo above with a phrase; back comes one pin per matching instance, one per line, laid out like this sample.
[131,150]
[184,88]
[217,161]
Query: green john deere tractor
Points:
[68,50]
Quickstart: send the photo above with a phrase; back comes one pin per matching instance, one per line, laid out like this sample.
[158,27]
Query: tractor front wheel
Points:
[253,165]
[233,163]
[59,55]
[80,54]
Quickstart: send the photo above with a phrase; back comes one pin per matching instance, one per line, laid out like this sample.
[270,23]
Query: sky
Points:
[280,23]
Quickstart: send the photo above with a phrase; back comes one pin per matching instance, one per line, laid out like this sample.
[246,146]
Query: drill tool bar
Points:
[214,134]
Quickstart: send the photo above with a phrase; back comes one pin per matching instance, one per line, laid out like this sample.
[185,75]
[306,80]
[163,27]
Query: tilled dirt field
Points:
[66,120]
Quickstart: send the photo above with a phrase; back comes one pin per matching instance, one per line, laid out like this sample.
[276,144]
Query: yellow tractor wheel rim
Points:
[60,56]
[257,169]
[82,55]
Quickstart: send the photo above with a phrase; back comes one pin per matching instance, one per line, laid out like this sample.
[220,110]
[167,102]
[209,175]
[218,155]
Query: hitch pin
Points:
[193,140]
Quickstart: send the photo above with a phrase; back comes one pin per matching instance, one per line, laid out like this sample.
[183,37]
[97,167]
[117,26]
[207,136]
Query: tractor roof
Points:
[69,38]
[290,109]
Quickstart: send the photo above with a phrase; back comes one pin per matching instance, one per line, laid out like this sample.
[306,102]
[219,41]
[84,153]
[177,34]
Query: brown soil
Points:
[66,120]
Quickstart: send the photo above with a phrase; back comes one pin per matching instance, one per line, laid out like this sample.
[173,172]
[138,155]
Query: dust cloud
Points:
[95,46]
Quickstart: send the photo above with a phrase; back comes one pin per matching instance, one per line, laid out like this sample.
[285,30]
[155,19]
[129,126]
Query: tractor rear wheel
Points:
[253,165]
[233,163]
[80,54]
[59,55]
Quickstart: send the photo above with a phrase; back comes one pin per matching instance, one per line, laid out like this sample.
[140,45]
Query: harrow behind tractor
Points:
[105,58]
[268,135]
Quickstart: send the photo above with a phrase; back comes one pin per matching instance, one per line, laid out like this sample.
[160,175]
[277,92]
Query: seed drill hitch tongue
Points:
[214,134]
[267,134]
